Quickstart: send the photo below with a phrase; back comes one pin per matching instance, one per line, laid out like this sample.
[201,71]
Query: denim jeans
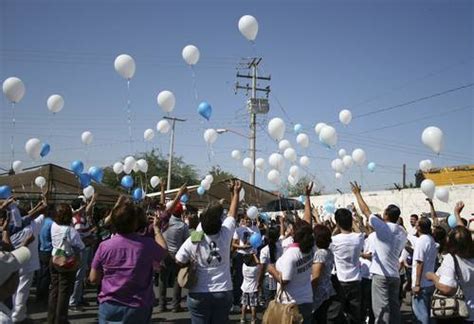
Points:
[116,313]
[421,305]
[78,293]
[210,307]
[385,301]
[306,310]
[268,294]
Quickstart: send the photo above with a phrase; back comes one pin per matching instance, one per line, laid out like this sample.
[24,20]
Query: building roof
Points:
[456,175]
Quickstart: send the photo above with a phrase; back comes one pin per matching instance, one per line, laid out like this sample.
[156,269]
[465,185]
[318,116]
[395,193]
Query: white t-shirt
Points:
[346,249]
[364,263]
[213,259]
[295,268]
[250,282]
[17,239]
[243,233]
[57,236]
[447,274]
[265,260]
[425,251]
[15,215]
[390,239]
[286,242]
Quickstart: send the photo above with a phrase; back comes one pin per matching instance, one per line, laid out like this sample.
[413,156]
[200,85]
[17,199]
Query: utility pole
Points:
[255,105]
[170,158]
[404,179]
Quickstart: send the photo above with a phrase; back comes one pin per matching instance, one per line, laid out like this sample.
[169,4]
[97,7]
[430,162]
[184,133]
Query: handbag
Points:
[277,312]
[187,277]
[65,259]
[445,307]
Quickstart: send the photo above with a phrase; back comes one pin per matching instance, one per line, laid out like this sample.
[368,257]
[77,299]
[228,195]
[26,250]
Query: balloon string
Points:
[193,74]
[254,48]
[12,137]
[129,113]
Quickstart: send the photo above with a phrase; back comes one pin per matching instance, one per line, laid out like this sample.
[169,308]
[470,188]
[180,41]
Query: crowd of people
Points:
[354,267]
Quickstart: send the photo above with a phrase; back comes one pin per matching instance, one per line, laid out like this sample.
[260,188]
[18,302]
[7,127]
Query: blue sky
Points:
[322,56]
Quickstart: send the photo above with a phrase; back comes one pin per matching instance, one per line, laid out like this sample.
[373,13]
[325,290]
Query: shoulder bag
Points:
[277,312]
[65,259]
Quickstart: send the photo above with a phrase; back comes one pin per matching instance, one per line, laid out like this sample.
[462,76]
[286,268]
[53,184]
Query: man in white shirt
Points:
[424,258]
[413,222]
[390,239]
[347,248]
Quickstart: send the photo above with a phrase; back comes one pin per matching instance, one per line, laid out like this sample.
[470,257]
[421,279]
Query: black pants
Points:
[62,285]
[43,277]
[237,276]
[350,294]
[168,277]
[367,301]
[330,312]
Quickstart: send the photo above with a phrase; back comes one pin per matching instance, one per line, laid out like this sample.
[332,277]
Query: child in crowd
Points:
[251,272]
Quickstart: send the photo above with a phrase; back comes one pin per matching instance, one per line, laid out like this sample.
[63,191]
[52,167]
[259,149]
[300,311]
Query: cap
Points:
[12,261]
[178,209]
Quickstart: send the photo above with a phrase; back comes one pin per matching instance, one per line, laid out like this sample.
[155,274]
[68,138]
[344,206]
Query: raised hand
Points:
[355,187]
[459,207]
[237,187]
[309,188]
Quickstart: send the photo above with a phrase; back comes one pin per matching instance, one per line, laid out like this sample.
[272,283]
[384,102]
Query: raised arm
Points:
[434,217]
[307,204]
[364,208]
[162,193]
[177,198]
[120,201]
[235,187]
[91,204]
[457,212]
[159,239]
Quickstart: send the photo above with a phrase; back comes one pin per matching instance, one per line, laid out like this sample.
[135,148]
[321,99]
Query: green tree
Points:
[157,166]
[219,174]
[299,188]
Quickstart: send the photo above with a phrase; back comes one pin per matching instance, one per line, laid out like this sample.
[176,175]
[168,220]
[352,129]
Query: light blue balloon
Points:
[137,194]
[452,222]
[255,240]
[371,166]
[5,192]
[201,191]
[184,199]
[205,110]
[45,149]
[84,179]
[96,173]
[329,208]
[77,167]
[298,128]
[264,217]
[127,182]
[301,199]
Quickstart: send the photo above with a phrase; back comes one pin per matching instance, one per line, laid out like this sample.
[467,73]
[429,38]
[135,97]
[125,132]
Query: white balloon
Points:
[248,27]
[338,175]
[260,164]
[252,212]
[342,153]
[209,178]
[319,127]
[125,66]
[345,116]
[303,140]
[294,171]
[276,161]
[290,154]
[210,135]
[17,166]
[304,161]
[359,157]
[87,138]
[328,136]
[205,184]
[154,181]
[425,165]
[88,192]
[148,134]
[191,54]
[242,194]
[292,181]
[163,126]
[442,194]
[40,181]
[117,167]
[136,168]
[127,169]
[248,164]
[428,188]
[338,166]
[347,160]
[276,128]
[33,148]
[236,154]
[55,103]
[14,89]
[432,137]
[283,145]
[142,165]
[274,177]
[166,100]
[129,163]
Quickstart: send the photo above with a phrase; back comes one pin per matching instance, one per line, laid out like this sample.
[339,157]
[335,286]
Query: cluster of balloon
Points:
[129,165]
[163,126]
[276,128]
[148,134]
[5,192]
[85,179]
[35,149]
[425,165]
[432,137]
[205,184]
[40,181]
[248,27]
[248,164]
[154,181]
[210,136]
[345,117]
[371,166]
[166,100]
[298,128]
[55,103]
[205,110]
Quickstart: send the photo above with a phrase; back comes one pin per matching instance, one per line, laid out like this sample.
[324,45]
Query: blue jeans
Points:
[210,308]
[78,293]
[110,312]
[268,294]
[421,305]
[306,310]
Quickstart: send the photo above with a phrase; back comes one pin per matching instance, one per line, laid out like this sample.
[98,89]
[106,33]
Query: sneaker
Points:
[76,309]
